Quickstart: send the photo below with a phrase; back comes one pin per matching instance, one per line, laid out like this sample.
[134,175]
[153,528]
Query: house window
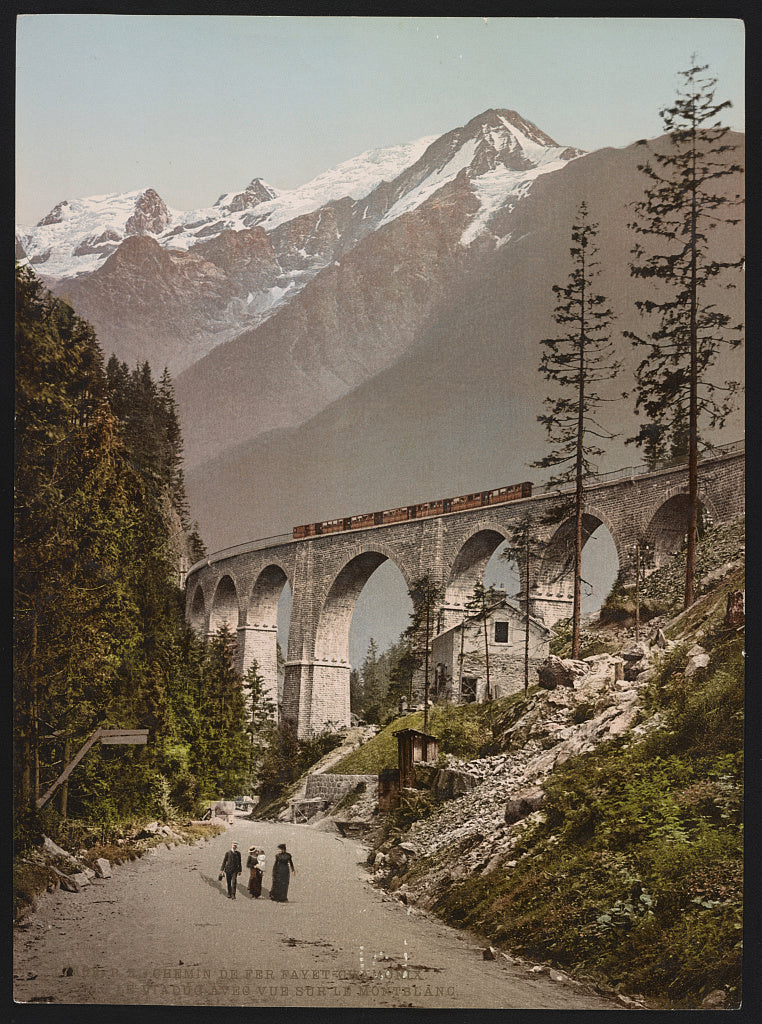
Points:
[468,689]
[501,632]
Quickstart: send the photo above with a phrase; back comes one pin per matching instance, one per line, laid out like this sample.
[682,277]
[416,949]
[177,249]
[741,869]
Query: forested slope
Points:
[101,523]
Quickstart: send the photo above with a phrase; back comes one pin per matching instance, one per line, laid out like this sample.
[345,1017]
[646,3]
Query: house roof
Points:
[502,603]
[415,732]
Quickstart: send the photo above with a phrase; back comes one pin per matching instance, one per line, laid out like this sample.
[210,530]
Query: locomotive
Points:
[479,499]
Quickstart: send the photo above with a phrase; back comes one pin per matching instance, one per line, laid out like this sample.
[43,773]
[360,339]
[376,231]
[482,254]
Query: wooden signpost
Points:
[121,737]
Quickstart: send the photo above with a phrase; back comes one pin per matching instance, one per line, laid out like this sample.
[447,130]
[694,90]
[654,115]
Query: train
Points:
[479,499]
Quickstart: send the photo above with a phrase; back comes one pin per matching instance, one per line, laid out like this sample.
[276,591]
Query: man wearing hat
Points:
[231,868]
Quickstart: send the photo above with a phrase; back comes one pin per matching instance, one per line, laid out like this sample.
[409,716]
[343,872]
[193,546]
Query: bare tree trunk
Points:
[426,672]
[460,672]
[579,493]
[690,555]
[65,785]
[526,627]
[35,719]
[488,693]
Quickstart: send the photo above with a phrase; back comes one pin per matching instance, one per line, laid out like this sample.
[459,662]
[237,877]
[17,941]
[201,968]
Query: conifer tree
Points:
[373,683]
[523,547]
[263,716]
[576,363]
[426,595]
[402,663]
[686,201]
[223,759]
[480,604]
[99,637]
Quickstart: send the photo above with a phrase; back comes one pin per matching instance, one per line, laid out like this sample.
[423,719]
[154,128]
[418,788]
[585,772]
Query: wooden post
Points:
[106,736]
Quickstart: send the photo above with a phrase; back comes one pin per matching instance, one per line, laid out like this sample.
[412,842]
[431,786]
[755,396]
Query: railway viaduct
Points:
[241,586]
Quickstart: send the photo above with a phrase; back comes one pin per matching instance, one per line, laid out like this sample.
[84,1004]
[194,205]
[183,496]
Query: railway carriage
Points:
[479,499]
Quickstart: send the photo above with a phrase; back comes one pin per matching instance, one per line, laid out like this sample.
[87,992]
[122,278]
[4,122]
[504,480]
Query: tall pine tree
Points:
[576,363]
[687,200]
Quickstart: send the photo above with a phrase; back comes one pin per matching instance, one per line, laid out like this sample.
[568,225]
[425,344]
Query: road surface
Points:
[162,931]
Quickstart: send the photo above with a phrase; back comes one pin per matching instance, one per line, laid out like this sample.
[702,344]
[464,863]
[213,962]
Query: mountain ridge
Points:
[457,410]
[308,228]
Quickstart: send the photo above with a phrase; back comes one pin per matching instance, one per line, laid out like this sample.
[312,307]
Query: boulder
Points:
[660,639]
[103,868]
[603,670]
[68,883]
[637,659]
[556,671]
[697,659]
[715,998]
[623,722]
[493,863]
[81,879]
[637,650]
[397,857]
[51,849]
[522,803]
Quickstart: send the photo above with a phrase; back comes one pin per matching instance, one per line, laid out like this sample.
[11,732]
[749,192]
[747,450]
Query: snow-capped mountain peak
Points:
[139,269]
[500,152]
[78,235]
[256,192]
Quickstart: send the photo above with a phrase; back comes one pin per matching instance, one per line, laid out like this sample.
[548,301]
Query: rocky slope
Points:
[478,830]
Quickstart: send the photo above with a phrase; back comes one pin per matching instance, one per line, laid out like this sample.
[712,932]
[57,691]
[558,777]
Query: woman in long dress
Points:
[283,868]
[255,872]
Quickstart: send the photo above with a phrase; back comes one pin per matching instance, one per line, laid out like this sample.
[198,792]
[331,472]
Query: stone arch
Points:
[334,620]
[555,576]
[468,565]
[225,607]
[262,606]
[197,610]
[668,526]
[615,532]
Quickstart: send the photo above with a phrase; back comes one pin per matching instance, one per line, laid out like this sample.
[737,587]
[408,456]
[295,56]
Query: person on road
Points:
[283,868]
[255,871]
[231,869]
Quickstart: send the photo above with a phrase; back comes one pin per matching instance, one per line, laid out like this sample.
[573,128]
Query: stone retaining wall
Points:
[334,787]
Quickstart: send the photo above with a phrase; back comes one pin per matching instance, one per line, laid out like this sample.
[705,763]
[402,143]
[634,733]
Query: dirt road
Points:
[161,931]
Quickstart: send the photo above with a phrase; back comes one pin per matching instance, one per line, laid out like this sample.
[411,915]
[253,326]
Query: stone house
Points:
[459,661]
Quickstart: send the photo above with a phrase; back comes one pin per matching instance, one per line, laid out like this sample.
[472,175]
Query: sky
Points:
[194,106]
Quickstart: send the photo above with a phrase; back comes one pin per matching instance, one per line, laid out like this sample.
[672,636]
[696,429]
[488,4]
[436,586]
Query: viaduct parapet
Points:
[241,587]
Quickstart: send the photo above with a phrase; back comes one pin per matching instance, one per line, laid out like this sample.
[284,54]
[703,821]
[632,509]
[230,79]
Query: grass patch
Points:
[466,731]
